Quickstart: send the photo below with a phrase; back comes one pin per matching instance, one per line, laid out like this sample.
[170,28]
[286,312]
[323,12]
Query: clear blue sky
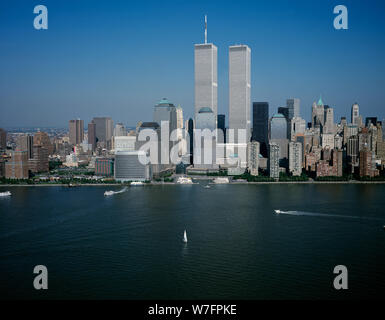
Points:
[118,58]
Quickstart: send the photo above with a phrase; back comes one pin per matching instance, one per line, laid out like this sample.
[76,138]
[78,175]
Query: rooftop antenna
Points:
[205,29]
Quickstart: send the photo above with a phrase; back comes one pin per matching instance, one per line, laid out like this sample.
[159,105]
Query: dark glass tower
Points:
[221,121]
[261,125]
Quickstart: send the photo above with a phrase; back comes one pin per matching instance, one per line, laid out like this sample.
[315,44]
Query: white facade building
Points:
[295,158]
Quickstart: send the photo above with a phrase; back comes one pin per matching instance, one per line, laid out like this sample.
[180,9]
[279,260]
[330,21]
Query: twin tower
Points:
[206,84]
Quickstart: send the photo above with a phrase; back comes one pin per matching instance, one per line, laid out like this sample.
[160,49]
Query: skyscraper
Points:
[295,158]
[92,135]
[239,89]
[253,157]
[42,139]
[261,125]
[25,143]
[104,130]
[355,114]
[76,131]
[206,78]
[278,134]
[293,106]
[120,130]
[3,139]
[17,167]
[273,163]
[221,121]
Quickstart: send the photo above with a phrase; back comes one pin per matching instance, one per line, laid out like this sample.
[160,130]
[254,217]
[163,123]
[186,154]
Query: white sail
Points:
[185,236]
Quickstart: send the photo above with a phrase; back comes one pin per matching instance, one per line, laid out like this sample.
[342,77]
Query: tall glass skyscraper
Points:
[239,88]
[261,125]
[206,77]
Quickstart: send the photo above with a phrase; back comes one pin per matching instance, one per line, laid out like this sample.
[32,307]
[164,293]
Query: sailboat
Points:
[185,237]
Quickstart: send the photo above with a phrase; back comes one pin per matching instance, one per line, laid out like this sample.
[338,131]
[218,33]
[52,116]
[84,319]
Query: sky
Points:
[119,58]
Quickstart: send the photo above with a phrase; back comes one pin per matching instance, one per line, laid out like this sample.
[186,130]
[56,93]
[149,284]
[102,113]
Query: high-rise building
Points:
[297,127]
[367,163]
[120,130]
[104,166]
[239,89]
[273,163]
[17,167]
[190,130]
[206,77]
[39,162]
[25,143]
[295,158]
[318,114]
[76,131]
[355,114]
[293,106]
[221,121]
[370,120]
[42,139]
[278,134]
[130,166]
[205,119]
[329,126]
[3,139]
[261,125]
[253,157]
[104,130]
[92,134]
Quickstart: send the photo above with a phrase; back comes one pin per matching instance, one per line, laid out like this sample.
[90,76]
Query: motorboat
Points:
[136,183]
[185,237]
[108,193]
[5,194]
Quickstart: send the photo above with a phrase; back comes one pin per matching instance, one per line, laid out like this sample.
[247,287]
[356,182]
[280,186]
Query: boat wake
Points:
[110,193]
[314,214]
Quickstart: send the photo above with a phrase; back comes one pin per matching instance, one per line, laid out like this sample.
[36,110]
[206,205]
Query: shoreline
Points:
[174,183]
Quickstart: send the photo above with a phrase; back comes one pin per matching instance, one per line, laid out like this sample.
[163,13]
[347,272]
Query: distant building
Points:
[370,120]
[120,130]
[329,126]
[130,166]
[25,143]
[293,107]
[318,114]
[104,167]
[295,158]
[17,167]
[273,163]
[253,157]
[326,169]
[3,139]
[278,134]
[76,131]
[42,139]
[355,114]
[92,135]
[104,131]
[39,162]
[297,127]
[261,125]
[368,163]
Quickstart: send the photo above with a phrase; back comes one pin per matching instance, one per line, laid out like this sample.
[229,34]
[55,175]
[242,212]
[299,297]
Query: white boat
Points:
[185,237]
[277,211]
[221,180]
[136,183]
[108,193]
[207,187]
[184,180]
[5,194]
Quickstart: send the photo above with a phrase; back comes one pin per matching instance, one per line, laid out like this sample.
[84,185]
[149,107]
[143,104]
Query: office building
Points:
[3,139]
[261,125]
[293,108]
[206,77]
[278,134]
[104,167]
[221,134]
[131,166]
[39,162]
[92,135]
[355,114]
[120,130]
[253,157]
[104,131]
[273,163]
[25,143]
[76,131]
[42,139]
[239,90]
[17,166]
[295,158]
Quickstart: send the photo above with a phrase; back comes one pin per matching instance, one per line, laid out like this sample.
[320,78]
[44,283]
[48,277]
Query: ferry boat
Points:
[5,194]
[108,193]
[221,180]
[184,180]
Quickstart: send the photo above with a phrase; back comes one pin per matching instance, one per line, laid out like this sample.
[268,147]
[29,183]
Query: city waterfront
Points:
[129,245]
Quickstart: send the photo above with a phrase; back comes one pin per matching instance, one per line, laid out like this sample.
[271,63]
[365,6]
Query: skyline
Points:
[94,76]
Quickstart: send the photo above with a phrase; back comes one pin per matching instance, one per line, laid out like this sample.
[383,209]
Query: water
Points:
[129,245]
